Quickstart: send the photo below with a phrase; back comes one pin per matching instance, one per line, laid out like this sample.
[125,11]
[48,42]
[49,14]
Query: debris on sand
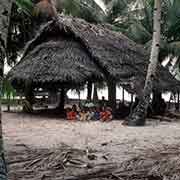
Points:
[66,163]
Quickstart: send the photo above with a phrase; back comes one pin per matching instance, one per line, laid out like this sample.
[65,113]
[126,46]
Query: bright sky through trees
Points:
[101,4]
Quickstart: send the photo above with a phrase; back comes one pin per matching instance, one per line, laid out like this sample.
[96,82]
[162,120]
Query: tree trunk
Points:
[5,7]
[95,93]
[89,90]
[138,116]
[3,169]
[8,103]
[112,94]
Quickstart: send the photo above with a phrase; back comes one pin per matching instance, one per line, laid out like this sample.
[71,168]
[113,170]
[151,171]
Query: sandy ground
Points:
[117,142]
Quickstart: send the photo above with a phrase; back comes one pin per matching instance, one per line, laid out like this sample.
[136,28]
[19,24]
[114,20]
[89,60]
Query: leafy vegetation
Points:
[25,6]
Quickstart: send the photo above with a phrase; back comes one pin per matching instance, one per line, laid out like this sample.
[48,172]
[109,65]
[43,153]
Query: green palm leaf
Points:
[25,6]
[138,32]
[174,48]
[8,89]
[86,9]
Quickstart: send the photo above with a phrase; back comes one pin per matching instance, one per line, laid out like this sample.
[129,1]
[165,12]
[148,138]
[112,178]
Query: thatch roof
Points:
[165,82]
[111,52]
[71,50]
[56,61]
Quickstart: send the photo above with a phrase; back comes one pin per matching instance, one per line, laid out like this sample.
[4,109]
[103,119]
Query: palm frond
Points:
[8,89]
[174,48]
[25,6]
[86,9]
[138,32]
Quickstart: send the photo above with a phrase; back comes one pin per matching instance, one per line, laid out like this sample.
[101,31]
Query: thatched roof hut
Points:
[72,51]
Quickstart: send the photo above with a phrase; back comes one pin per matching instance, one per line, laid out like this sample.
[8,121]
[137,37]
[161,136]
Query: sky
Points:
[103,92]
[6,68]
[101,4]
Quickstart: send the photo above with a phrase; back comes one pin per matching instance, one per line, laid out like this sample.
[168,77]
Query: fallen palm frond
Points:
[66,163]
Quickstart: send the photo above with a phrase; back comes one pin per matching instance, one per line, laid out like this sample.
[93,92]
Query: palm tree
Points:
[139,114]
[5,7]
[27,15]
[140,29]
[8,91]
[85,9]
[138,26]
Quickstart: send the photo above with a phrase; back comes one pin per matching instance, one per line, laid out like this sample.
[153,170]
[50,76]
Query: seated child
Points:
[106,114]
[84,115]
[91,114]
[71,114]
[74,108]
[97,115]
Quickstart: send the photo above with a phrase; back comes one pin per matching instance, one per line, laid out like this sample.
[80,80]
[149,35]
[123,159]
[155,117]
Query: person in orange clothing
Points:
[106,114]
[71,114]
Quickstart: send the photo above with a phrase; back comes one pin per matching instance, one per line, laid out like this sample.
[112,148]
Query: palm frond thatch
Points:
[112,52]
[73,50]
[56,61]
[165,82]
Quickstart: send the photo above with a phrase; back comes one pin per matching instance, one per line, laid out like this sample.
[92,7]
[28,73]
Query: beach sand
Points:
[116,141]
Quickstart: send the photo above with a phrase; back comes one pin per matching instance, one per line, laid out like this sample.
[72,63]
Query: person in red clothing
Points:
[106,114]
[71,114]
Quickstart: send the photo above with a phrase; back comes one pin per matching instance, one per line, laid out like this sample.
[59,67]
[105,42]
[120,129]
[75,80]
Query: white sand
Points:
[122,142]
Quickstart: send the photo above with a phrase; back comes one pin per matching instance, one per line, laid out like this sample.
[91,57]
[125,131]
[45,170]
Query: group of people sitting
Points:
[103,114]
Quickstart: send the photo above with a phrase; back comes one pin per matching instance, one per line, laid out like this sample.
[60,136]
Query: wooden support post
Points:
[123,95]
[89,90]
[79,98]
[29,95]
[178,101]
[95,93]
[62,100]
[169,103]
[132,97]
[112,94]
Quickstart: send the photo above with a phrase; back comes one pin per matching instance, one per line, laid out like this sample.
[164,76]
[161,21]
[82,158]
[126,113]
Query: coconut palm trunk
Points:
[137,118]
[5,7]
